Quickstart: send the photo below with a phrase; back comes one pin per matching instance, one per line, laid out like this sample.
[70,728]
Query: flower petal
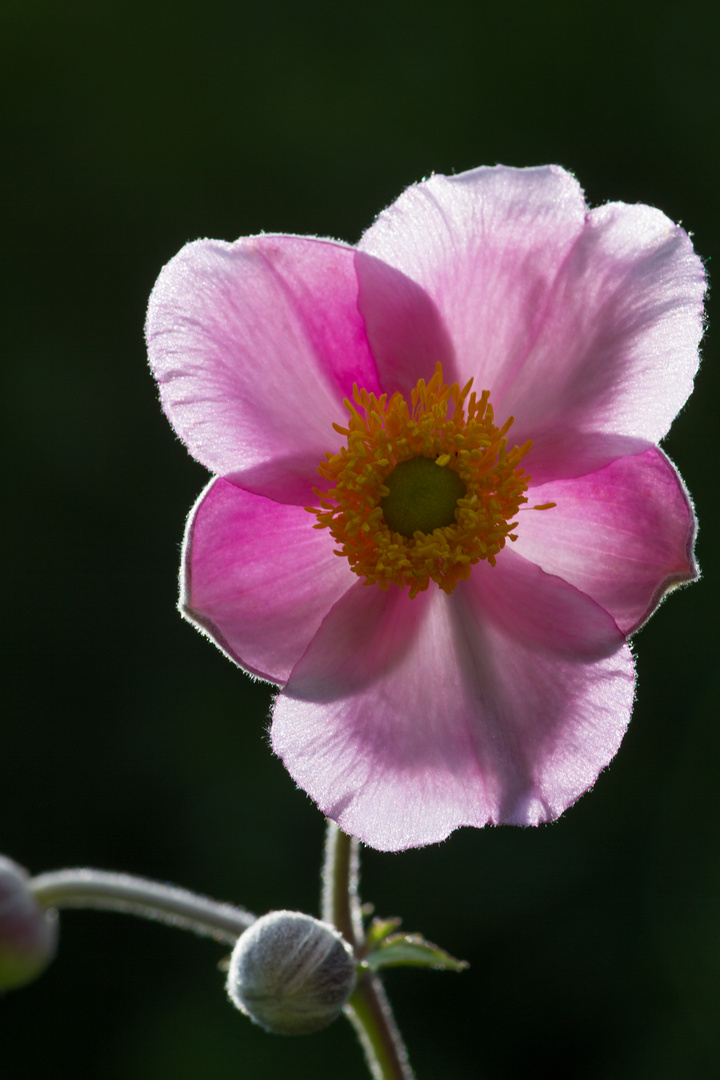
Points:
[560,454]
[485,246]
[582,320]
[258,578]
[624,535]
[447,716]
[403,324]
[541,609]
[618,347]
[254,346]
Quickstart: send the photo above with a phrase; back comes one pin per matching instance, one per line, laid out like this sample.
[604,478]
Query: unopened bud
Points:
[28,933]
[291,973]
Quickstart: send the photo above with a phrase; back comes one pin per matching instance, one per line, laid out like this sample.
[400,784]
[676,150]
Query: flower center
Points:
[423,491]
[421,497]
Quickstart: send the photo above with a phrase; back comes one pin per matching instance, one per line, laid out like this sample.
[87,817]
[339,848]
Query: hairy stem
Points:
[137,896]
[368,1008]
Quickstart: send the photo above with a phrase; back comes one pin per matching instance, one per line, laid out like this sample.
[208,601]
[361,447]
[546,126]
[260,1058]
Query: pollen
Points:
[422,491]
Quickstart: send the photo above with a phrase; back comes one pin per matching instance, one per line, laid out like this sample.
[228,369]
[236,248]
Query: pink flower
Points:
[502,688]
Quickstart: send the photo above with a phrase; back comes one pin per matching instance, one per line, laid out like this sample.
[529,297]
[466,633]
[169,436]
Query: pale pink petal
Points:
[258,578]
[485,246]
[572,319]
[618,347]
[623,535]
[254,346]
[447,716]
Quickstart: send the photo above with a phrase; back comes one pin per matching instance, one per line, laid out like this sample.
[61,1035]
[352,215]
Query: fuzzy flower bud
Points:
[291,973]
[28,933]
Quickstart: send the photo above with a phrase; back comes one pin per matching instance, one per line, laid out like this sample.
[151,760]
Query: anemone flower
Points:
[439,508]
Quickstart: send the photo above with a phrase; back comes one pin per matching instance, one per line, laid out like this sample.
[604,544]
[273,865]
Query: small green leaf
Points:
[378,930]
[411,950]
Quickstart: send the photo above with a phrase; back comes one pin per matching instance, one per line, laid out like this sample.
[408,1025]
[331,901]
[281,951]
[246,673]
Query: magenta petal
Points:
[623,535]
[404,327]
[258,578]
[464,724]
[366,635]
[541,609]
[254,346]
[564,453]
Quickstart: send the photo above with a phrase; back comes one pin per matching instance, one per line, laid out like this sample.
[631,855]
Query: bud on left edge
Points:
[28,933]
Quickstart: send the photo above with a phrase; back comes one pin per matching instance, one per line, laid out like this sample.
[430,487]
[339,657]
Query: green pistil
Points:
[423,496]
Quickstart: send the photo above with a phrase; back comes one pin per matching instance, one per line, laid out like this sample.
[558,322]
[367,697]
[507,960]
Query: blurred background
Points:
[128,742]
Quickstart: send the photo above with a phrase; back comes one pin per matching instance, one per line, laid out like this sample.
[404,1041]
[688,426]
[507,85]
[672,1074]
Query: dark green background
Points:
[128,741]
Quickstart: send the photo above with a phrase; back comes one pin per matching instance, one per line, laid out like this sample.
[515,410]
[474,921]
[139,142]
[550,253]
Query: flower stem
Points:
[341,873]
[138,896]
[368,1008]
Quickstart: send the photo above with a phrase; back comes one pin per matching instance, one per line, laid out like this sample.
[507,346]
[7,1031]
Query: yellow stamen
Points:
[457,431]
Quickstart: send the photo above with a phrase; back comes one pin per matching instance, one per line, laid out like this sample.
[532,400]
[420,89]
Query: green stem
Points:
[369,1012]
[131,895]
[341,872]
[368,1008]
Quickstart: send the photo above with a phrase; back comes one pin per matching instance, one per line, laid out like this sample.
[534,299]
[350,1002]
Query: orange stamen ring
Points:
[455,429]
